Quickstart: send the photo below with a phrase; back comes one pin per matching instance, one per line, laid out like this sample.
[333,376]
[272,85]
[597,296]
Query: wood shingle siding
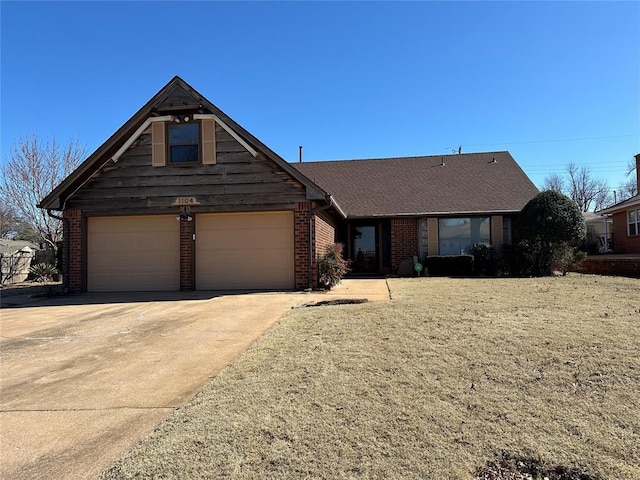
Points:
[237,181]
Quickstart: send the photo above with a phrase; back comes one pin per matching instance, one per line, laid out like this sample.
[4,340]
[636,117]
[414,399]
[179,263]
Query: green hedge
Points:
[450,265]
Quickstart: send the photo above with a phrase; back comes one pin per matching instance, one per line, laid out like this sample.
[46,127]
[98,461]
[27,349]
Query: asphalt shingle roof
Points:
[460,183]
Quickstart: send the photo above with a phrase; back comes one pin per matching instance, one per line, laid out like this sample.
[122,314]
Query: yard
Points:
[451,379]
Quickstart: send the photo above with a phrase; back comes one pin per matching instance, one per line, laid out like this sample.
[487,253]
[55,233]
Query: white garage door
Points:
[245,251]
[138,253]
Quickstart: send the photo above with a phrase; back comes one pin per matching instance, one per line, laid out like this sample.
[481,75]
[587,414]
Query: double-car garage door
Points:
[232,251]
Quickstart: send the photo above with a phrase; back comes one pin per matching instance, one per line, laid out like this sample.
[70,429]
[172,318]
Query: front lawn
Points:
[453,378]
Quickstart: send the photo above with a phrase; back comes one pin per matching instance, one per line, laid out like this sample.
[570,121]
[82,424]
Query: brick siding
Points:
[186,256]
[610,265]
[404,240]
[301,243]
[622,242]
[324,235]
[73,271]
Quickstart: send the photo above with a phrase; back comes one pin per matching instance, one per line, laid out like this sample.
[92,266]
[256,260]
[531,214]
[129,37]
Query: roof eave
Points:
[630,202]
[435,214]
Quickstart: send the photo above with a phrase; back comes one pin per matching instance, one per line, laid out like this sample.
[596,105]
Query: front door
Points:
[365,248]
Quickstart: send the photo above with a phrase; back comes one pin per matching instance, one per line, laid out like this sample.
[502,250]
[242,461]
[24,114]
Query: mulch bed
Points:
[511,467]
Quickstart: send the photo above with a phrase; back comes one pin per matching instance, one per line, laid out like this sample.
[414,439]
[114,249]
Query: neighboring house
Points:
[182,197]
[626,220]
[599,232]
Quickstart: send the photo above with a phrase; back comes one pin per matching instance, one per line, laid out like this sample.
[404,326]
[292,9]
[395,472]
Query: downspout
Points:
[312,213]
[65,243]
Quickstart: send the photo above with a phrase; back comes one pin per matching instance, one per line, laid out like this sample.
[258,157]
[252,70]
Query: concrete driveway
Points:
[84,378]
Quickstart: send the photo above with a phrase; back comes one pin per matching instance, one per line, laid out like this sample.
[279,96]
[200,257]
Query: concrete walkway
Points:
[84,378]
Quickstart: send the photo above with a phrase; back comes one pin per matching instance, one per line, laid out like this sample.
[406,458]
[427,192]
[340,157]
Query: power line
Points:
[577,139]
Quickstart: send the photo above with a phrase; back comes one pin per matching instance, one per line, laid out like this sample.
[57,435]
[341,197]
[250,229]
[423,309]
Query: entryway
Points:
[369,247]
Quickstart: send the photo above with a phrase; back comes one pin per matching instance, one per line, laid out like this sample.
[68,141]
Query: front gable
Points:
[237,181]
[180,146]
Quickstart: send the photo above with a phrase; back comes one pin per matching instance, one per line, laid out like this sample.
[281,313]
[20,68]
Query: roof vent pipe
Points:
[300,153]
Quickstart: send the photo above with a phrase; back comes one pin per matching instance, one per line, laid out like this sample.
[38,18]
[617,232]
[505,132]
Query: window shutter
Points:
[158,149]
[496,231]
[432,232]
[208,142]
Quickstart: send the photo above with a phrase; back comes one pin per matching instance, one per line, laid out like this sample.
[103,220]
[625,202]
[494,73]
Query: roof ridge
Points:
[447,155]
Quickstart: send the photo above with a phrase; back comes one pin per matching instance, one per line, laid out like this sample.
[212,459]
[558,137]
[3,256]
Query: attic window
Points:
[183,144]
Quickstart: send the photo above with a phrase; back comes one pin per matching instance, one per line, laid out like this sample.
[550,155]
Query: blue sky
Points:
[551,82]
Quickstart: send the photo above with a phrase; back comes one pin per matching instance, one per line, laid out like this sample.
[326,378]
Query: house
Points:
[626,220]
[599,236]
[182,197]
[398,208]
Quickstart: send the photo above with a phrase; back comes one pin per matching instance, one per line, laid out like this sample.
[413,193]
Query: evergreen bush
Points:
[332,267]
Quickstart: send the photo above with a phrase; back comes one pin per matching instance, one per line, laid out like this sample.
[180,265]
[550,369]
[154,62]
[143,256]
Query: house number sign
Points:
[186,201]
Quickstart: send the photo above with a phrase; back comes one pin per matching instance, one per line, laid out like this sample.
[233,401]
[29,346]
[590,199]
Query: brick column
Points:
[302,244]
[404,240]
[186,256]
[72,261]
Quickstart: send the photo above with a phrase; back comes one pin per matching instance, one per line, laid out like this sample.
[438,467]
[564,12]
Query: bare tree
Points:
[631,166]
[586,190]
[35,168]
[580,185]
[628,189]
[9,220]
[554,182]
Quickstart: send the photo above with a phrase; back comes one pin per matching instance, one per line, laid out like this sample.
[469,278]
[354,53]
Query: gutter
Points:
[312,212]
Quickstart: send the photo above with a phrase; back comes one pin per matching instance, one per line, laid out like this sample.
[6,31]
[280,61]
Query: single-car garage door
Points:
[245,251]
[138,253]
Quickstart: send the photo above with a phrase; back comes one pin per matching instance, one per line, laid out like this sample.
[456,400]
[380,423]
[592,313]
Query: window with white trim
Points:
[633,217]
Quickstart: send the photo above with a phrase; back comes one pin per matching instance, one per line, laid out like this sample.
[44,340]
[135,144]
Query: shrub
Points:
[43,272]
[449,265]
[484,259]
[548,223]
[332,267]
[565,257]
[518,259]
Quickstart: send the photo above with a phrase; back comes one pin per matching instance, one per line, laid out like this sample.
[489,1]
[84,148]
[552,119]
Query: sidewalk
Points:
[369,289]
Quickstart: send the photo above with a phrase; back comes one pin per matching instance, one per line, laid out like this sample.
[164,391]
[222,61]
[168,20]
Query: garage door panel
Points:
[133,253]
[245,251]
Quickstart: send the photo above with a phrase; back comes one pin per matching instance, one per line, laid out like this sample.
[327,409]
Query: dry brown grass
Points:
[430,385]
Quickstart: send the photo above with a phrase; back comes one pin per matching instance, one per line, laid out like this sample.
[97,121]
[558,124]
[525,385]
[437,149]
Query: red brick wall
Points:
[301,243]
[609,265]
[324,235]
[186,256]
[404,240]
[623,243]
[73,271]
